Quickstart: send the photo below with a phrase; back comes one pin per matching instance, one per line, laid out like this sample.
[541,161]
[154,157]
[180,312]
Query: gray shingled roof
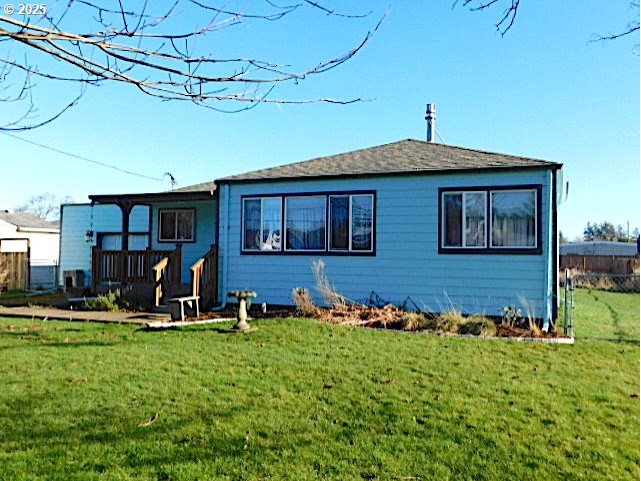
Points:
[403,157]
[204,186]
[27,220]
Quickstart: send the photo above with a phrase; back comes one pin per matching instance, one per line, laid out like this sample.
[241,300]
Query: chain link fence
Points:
[570,280]
[603,282]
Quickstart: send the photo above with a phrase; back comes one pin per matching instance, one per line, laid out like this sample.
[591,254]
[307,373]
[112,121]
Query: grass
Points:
[603,315]
[300,400]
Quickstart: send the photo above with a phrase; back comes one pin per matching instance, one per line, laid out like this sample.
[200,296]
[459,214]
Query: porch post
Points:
[125,208]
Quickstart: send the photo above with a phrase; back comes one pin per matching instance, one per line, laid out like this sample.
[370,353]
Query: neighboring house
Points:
[600,248]
[39,238]
[448,227]
[602,257]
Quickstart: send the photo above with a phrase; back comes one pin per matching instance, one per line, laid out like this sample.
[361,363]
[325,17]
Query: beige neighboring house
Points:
[26,232]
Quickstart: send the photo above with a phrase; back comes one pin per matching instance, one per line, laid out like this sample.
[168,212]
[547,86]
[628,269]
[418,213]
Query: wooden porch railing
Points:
[158,267]
[204,278]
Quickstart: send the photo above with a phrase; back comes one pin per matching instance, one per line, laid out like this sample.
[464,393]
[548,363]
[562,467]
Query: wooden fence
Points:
[14,270]
[622,265]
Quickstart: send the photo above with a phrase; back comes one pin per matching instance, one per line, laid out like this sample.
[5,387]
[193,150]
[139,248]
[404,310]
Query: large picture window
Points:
[176,225]
[331,223]
[490,220]
[305,223]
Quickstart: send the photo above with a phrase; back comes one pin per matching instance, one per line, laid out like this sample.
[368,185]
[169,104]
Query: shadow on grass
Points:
[614,340]
[117,427]
[35,338]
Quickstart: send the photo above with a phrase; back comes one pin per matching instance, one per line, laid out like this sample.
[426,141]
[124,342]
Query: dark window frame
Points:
[177,241]
[326,251]
[488,249]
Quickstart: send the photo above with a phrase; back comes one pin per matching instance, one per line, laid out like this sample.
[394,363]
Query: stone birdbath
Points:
[242,297]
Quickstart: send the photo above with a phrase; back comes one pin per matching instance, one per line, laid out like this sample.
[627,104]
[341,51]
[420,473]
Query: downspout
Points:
[555,249]
[58,270]
[224,249]
[547,321]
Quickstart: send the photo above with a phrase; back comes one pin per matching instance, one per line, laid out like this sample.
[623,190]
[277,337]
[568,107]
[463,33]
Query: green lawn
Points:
[611,316]
[300,400]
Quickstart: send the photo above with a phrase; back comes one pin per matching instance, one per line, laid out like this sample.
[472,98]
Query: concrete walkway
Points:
[51,313]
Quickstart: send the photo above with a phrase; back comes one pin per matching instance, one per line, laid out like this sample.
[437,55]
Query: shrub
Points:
[104,302]
[510,315]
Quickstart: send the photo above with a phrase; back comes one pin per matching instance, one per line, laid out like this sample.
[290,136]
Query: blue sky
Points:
[541,91]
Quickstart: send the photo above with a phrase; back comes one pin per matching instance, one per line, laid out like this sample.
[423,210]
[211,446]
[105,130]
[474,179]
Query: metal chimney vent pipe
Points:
[430,116]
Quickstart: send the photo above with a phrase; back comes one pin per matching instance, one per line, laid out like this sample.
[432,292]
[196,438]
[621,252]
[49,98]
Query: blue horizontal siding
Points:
[77,219]
[407,262]
[206,232]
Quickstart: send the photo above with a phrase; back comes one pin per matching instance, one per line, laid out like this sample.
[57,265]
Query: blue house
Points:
[446,226]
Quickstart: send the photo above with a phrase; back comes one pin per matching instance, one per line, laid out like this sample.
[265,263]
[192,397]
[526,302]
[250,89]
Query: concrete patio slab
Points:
[52,313]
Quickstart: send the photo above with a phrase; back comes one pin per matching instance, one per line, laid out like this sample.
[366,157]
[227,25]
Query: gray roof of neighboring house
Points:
[402,157]
[27,220]
[599,248]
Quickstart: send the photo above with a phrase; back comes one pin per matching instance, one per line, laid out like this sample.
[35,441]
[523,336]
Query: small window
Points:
[490,220]
[262,224]
[305,223]
[514,218]
[464,219]
[176,225]
[339,223]
[362,221]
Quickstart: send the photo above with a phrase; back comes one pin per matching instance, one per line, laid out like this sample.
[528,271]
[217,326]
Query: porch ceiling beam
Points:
[153,197]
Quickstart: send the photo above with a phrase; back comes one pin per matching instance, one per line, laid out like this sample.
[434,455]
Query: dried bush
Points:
[415,321]
[449,321]
[477,325]
[304,303]
[327,291]
[530,316]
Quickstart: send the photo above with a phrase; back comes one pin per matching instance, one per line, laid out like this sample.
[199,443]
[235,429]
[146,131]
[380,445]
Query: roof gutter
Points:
[44,230]
[550,166]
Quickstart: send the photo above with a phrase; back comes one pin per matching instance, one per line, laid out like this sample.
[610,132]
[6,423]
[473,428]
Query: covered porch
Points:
[176,255]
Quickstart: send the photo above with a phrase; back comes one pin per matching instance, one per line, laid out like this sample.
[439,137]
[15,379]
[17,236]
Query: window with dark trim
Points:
[329,223]
[176,225]
[491,220]
[351,222]
[262,223]
[305,223]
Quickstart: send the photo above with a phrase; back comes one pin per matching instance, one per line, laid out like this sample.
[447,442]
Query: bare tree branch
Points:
[506,22]
[632,27]
[147,47]
[509,14]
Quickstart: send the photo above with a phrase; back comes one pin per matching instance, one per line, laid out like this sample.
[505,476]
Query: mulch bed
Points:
[386,317]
